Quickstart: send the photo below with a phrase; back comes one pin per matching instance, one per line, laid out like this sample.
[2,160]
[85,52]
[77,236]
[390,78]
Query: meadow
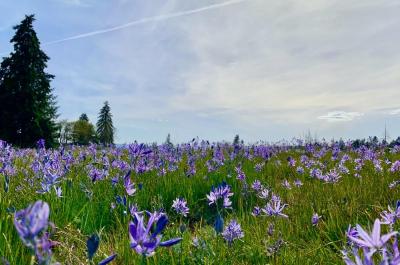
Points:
[213,203]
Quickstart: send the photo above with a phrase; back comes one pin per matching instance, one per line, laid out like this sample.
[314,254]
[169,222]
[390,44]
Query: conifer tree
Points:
[105,127]
[84,117]
[27,106]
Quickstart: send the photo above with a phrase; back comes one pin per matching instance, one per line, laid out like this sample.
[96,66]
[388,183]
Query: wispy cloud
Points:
[147,20]
[394,112]
[260,68]
[82,3]
[340,116]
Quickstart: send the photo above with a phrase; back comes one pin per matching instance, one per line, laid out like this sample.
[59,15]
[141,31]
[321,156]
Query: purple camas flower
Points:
[373,241]
[315,219]
[394,184]
[222,192]
[378,166]
[133,209]
[263,193]
[298,183]
[114,181]
[31,224]
[96,174]
[332,176]
[256,185]
[395,166]
[275,207]
[256,211]
[144,239]
[300,170]
[351,232]
[291,161]
[286,184]
[41,144]
[361,241]
[240,174]
[180,206]
[258,167]
[232,231]
[32,221]
[316,173]
[129,185]
[390,217]
[108,259]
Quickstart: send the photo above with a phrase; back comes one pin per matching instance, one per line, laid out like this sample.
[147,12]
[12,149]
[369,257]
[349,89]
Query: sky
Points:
[266,70]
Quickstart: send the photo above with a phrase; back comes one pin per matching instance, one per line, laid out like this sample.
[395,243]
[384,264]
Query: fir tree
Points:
[84,117]
[105,128]
[236,140]
[27,107]
[168,141]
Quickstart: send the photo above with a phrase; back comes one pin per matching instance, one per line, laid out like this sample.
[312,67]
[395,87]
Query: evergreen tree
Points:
[105,127]
[168,141]
[27,107]
[236,140]
[84,117]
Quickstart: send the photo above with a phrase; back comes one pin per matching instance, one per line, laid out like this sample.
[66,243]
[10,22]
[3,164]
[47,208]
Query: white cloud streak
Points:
[340,116]
[394,112]
[147,20]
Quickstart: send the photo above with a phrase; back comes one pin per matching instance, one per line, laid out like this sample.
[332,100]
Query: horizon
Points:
[212,69]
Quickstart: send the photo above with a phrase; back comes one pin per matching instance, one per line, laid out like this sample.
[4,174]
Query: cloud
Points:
[81,3]
[259,68]
[340,116]
[291,61]
[394,112]
[145,20]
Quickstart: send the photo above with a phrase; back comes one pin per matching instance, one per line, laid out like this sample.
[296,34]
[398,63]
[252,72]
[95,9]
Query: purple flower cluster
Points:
[31,224]
[315,219]
[145,238]
[275,207]
[180,206]
[370,244]
[222,192]
[232,231]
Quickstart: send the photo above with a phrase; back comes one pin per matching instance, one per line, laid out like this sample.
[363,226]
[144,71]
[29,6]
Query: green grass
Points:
[352,200]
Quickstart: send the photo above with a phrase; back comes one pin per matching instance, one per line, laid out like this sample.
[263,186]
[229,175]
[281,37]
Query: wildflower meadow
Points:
[200,203]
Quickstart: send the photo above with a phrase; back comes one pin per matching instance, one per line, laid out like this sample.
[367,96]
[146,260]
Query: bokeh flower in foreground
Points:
[364,246]
[32,221]
[144,239]
[373,241]
[31,224]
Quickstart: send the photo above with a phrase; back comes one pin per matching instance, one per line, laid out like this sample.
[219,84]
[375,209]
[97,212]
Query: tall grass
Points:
[77,215]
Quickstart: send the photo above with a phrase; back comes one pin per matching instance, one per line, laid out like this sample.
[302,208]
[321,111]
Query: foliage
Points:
[65,132]
[83,132]
[27,105]
[105,127]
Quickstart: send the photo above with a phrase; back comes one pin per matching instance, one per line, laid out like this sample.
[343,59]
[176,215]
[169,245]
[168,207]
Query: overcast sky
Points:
[265,70]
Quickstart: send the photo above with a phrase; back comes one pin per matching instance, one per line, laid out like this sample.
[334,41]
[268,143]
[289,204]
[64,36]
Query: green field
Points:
[165,173]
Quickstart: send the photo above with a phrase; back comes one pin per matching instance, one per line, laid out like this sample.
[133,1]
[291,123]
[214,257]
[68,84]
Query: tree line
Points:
[28,108]
[83,132]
